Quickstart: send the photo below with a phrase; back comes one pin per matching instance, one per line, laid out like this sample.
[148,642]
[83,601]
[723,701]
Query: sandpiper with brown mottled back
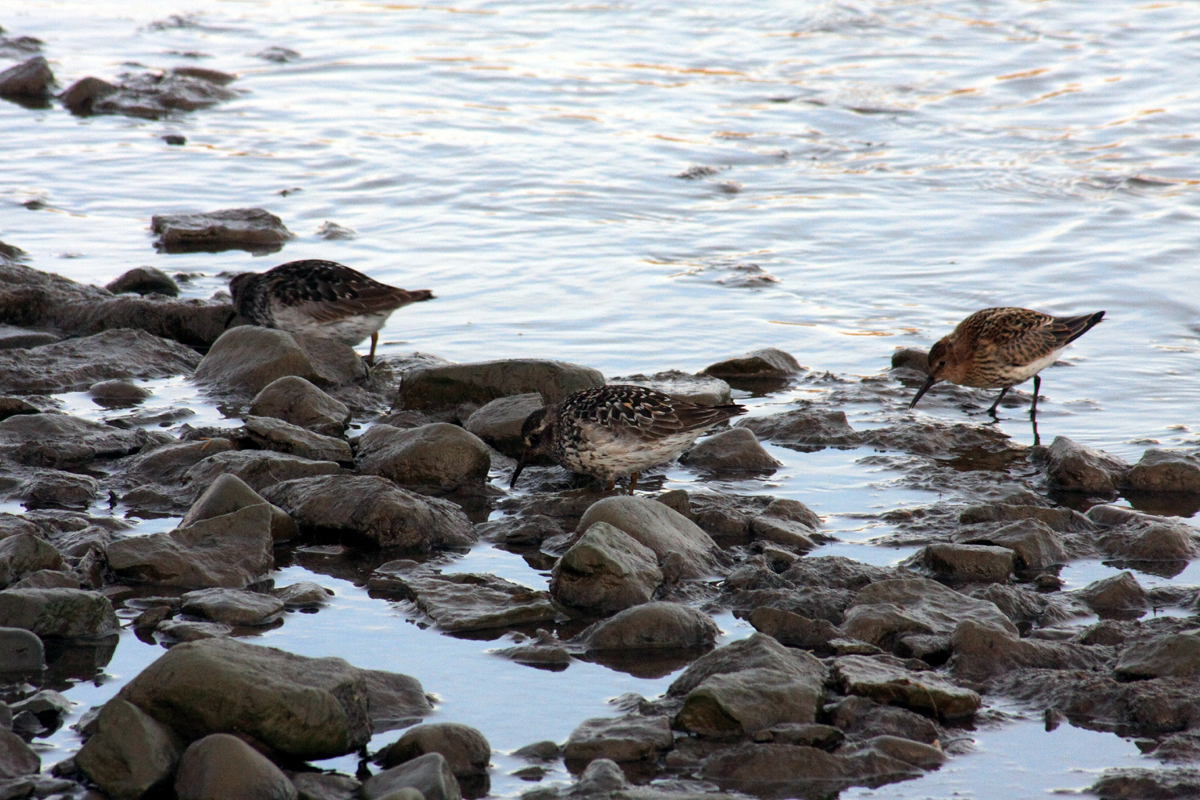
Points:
[998,348]
[320,298]
[617,430]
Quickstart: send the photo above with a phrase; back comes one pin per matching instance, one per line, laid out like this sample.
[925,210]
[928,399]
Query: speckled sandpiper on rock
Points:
[617,430]
[320,298]
[998,348]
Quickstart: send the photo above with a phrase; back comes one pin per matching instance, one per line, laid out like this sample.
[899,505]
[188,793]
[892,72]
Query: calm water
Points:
[873,173]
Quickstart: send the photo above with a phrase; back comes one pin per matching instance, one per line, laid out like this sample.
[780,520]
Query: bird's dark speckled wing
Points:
[1021,336]
[327,291]
[644,413]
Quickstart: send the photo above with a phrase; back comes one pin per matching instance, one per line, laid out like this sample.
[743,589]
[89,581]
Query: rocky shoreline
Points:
[857,675]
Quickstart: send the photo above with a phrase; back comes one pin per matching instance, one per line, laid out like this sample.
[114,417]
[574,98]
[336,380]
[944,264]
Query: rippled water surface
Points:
[658,184]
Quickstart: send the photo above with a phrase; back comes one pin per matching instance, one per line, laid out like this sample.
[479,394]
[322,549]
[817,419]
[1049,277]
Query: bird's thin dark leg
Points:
[1037,387]
[371,355]
[1036,439]
[632,482]
[992,410]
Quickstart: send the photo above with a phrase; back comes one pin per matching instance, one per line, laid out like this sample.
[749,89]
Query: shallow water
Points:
[875,172]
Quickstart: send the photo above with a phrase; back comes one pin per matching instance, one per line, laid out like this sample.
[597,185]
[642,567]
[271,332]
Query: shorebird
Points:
[616,430]
[997,348]
[320,298]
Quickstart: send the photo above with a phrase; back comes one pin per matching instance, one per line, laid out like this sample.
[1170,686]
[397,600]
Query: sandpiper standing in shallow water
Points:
[997,348]
[616,430]
[320,298]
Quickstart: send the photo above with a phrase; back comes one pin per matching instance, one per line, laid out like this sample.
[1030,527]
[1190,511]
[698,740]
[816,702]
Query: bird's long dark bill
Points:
[930,381]
[517,472]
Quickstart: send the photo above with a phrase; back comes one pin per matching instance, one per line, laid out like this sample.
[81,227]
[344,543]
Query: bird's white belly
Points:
[1020,374]
[351,330]
[619,456]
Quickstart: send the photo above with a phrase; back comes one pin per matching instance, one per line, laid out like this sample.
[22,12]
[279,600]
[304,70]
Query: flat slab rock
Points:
[468,602]
[450,385]
[253,229]
[894,685]
[620,739]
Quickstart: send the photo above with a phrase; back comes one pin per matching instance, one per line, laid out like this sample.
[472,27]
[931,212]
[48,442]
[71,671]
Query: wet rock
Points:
[1075,468]
[467,602]
[16,758]
[31,80]
[464,748]
[1036,546]
[370,508]
[81,96]
[704,389]
[605,570]
[51,488]
[1175,655]
[826,737]
[259,469]
[253,229]
[249,358]
[622,739]
[10,46]
[886,612]
[795,536]
[429,774]
[223,767]
[601,776]
[864,718]
[983,650]
[144,280]
[229,494]
[805,428]
[792,511]
[652,626]
[232,606]
[154,95]
[965,563]
[187,631]
[269,433]
[130,753]
[1143,538]
[63,613]
[440,456]
[74,365]
[325,786]
[894,685]
[921,756]
[1062,520]
[395,700]
[794,771]
[793,630]
[758,364]
[60,441]
[499,422]
[118,392]
[168,465]
[735,450]
[448,386]
[307,708]
[1147,784]
[296,400]
[20,651]
[11,406]
[231,551]
[659,528]
[1165,471]
[302,595]
[1120,596]
[928,437]
[911,358]
[23,554]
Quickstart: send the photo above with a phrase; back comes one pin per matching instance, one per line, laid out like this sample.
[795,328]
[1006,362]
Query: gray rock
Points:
[805,429]
[1075,468]
[144,280]
[20,651]
[752,699]
[1120,595]
[1174,655]
[24,554]
[793,630]
[782,769]
[168,465]
[984,650]
[1147,784]
[429,774]
[31,79]
[16,758]
[659,528]
[232,606]
[734,450]
[118,392]
[63,613]
[1035,545]
[129,754]
[499,422]
[862,717]
[252,229]
[922,756]
[283,437]
[911,358]
[223,767]
[1062,520]
[766,363]
[440,456]
[448,386]
[304,594]
[259,469]
[296,400]
[885,612]
[80,97]
[704,389]
[73,365]
[373,509]
[228,494]
[307,708]
[325,786]
[621,739]
[395,700]
[605,570]
[464,748]
[795,536]
[232,550]
[51,488]
[60,441]
[965,563]
[652,626]
[891,684]
[599,777]
[249,358]
[1143,537]
[1165,471]
[468,602]
[187,631]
